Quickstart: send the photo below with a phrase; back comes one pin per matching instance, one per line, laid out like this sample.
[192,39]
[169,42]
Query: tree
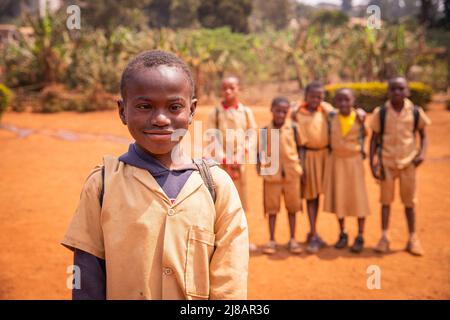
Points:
[218,13]
[275,14]
[109,14]
[346,6]
[428,10]
[183,13]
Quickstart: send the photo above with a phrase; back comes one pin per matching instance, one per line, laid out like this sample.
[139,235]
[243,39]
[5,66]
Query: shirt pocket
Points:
[200,248]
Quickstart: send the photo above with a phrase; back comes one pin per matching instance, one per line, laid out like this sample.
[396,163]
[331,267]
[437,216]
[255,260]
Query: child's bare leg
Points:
[385,213]
[272,220]
[341,225]
[291,217]
[271,247]
[313,207]
[414,246]
[361,223]
[383,244]
[411,219]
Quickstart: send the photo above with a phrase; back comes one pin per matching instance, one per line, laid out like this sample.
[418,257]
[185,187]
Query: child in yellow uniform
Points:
[312,120]
[345,188]
[230,117]
[393,144]
[151,226]
[286,181]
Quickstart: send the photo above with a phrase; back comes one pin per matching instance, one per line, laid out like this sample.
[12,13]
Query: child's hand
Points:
[361,115]
[374,170]
[418,160]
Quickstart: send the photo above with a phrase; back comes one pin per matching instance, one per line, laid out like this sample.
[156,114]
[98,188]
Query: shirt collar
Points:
[141,159]
[226,107]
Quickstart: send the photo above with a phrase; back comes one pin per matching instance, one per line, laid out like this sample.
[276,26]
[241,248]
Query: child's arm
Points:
[85,237]
[372,153]
[423,122]
[92,277]
[423,148]
[229,263]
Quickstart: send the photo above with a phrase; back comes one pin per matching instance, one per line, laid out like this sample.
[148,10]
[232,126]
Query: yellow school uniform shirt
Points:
[346,122]
[154,249]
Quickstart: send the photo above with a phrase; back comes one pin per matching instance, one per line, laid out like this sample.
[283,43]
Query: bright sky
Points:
[312,2]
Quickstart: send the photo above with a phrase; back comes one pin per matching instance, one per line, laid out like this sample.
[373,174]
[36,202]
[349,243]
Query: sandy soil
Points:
[42,171]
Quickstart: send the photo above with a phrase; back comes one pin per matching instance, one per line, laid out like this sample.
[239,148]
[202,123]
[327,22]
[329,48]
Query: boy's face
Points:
[398,90]
[344,101]
[230,89]
[158,101]
[314,97]
[279,113]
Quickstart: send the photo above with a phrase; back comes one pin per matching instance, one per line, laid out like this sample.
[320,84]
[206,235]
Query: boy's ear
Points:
[122,116]
[192,109]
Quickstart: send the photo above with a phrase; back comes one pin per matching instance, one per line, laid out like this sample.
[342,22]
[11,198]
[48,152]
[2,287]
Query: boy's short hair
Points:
[279,100]
[152,59]
[393,79]
[313,86]
[344,89]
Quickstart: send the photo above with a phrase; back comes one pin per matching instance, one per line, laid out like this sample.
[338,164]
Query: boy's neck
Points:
[165,159]
[398,106]
[277,126]
[231,103]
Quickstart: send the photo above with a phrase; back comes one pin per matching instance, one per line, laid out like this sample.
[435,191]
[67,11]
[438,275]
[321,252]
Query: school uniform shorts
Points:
[407,179]
[289,189]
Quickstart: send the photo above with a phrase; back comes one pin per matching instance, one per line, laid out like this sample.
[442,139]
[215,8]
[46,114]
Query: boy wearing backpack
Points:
[152,226]
[286,181]
[393,145]
[231,120]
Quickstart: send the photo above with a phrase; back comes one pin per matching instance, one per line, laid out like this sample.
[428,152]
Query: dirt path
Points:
[43,171]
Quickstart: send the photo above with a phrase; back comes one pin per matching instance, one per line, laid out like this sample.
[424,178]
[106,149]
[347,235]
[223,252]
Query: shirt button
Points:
[167,271]
[171,212]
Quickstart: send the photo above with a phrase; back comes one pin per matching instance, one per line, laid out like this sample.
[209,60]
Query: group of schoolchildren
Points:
[148,227]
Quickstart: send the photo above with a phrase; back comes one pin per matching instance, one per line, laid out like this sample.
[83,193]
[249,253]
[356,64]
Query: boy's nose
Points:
[160,120]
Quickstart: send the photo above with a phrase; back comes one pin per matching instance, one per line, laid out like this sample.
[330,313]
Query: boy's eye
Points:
[176,107]
[143,106]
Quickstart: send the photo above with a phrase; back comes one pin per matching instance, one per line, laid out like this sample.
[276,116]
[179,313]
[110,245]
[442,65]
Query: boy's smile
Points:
[158,101]
[344,101]
[398,91]
[279,113]
[314,98]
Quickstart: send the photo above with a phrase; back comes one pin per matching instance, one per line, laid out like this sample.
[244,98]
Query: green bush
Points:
[370,95]
[5,98]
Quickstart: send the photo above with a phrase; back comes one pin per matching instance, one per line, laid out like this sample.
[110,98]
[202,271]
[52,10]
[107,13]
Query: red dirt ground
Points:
[42,175]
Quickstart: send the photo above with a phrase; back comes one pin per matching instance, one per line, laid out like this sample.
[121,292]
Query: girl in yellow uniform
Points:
[344,186]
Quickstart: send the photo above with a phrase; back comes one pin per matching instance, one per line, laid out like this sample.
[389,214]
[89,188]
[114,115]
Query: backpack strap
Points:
[297,142]
[362,139]
[330,118]
[416,114]
[109,165]
[217,117]
[203,168]
[102,190]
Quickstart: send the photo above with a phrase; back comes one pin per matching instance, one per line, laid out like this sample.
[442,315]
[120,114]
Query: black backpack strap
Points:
[383,111]
[362,139]
[297,142]
[102,190]
[416,114]
[205,173]
[330,118]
